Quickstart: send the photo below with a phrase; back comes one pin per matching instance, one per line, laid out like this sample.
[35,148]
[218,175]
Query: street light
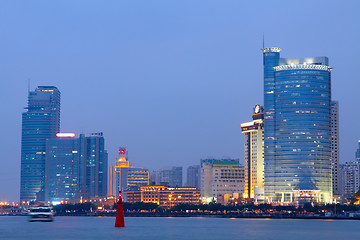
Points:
[170,195]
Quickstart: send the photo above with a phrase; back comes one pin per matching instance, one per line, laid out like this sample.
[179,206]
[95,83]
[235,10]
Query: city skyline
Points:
[192,90]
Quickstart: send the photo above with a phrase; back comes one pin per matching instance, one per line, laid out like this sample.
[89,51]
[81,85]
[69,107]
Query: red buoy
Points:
[119,222]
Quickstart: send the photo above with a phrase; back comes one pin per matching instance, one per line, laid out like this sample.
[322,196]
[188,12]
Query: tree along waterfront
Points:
[245,210]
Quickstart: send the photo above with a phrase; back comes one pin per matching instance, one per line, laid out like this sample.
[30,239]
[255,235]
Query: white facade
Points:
[351,175]
[220,179]
[253,156]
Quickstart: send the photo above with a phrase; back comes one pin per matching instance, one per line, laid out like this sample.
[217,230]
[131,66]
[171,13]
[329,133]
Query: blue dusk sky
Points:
[170,80]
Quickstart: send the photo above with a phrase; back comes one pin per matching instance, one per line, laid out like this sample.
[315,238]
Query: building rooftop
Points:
[271,49]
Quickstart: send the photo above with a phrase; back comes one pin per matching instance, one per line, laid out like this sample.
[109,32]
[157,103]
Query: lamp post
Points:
[170,198]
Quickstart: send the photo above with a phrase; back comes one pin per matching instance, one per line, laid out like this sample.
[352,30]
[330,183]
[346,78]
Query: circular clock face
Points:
[122,151]
[257,108]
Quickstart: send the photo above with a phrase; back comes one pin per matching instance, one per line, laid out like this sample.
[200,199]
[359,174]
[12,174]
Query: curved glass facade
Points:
[271,60]
[297,130]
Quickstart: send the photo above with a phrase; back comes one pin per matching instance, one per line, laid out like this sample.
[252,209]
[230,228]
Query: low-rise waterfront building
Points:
[220,177]
[100,201]
[164,196]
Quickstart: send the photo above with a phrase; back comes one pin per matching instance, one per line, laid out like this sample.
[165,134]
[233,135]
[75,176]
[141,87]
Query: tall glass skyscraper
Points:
[297,96]
[76,167]
[93,166]
[62,168]
[40,122]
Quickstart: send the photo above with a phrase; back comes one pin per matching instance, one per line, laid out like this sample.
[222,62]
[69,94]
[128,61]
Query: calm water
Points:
[177,228]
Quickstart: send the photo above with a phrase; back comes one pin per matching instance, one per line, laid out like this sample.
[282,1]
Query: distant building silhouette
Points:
[170,175]
[40,122]
[193,176]
[152,178]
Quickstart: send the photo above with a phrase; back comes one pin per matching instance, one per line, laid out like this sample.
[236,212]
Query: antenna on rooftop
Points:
[28,85]
[263,40]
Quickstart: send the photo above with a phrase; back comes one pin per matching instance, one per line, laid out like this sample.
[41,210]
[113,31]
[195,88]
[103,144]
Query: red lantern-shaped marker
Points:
[119,222]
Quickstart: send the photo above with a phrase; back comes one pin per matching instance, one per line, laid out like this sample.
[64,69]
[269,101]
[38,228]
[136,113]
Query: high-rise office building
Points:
[76,167]
[297,96]
[40,122]
[341,182]
[334,125]
[62,168]
[221,178]
[254,155]
[118,173]
[170,175]
[351,175]
[193,176]
[93,166]
[124,176]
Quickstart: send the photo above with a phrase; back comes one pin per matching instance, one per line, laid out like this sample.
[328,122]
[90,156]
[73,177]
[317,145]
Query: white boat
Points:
[41,214]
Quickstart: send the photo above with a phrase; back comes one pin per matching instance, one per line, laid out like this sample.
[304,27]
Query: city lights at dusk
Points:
[200,119]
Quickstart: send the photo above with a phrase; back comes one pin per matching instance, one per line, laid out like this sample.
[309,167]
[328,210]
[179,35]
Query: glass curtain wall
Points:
[297,129]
